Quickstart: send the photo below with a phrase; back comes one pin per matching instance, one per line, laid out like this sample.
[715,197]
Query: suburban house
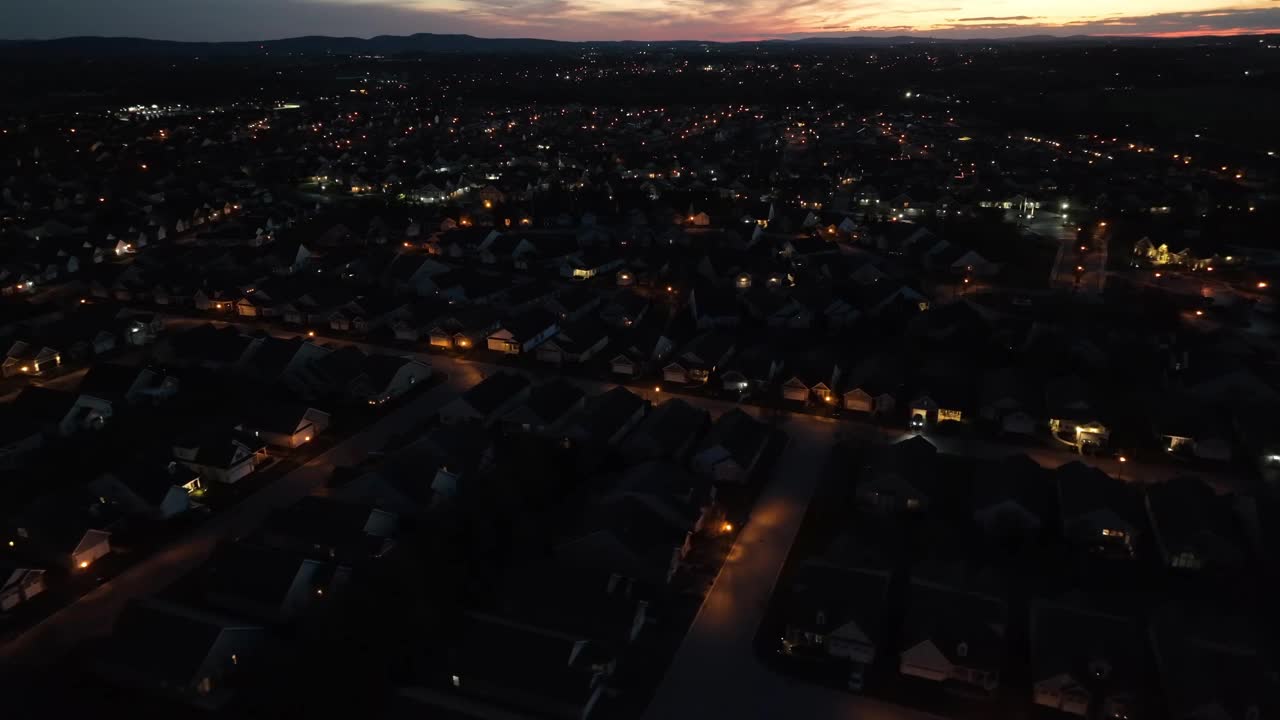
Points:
[523,333]
[464,330]
[267,584]
[699,359]
[18,584]
[625,309]
[952,636]
[1073,414]
[547,407]
[224,457]
[633,538]
[833,611]
[72,531]
[59,413]
[671,431]
[1209,668]
[1188,427]
[121,385]
[178,652]
[577,342]
[285,424]
[1099,512]
[148,490]
[732,448]
[1085,663]
[1005,400]
[1194,527]
[941,402]
[899,477]
[332,529]
[541,672]
[24,358]
[753,369]
[873,386]
[608,417]
[1012,498]
[811,377]
[486,401]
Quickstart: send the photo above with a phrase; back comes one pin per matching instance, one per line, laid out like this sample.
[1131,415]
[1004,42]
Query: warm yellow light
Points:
[1262,285]
[488,204]
[1159,274]
[311,333]
[26,368]
[657,388]
[84,564]
[10,543]
[726,526]
[83,301]
[1123,459]
[1199,313]
[306,439]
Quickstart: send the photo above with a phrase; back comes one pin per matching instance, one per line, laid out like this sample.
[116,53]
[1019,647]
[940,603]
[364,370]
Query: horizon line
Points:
[1032,33]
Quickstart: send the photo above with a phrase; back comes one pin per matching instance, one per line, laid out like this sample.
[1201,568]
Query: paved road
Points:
[716,673]
[1048,456]
[92,615]
[724,626]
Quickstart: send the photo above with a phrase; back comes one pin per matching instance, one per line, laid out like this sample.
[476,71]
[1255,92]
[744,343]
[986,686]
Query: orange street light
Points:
[1262,285]
[726,526]
[1123,459]
[1199,313]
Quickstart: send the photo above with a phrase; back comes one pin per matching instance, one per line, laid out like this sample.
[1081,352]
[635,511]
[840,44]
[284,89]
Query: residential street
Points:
[721,636]
[92,615]
[716,672]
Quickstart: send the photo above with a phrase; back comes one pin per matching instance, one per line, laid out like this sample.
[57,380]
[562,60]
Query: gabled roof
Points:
[824,598]
[550,401]
[967,629]
[163,644]
[1188,516]
[607,413]
[1083,489]
[1080,643]
[738,433]
[494,391]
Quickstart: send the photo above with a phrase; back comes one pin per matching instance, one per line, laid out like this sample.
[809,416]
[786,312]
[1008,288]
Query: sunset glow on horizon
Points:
[654,20]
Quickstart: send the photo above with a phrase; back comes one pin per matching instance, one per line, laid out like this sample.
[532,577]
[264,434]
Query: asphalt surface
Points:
[716,673]
[720,639]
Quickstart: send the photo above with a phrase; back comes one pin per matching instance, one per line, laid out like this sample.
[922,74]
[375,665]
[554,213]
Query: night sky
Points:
[628,19]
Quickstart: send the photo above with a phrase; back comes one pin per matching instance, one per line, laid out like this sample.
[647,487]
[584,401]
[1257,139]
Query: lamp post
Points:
[1120,474]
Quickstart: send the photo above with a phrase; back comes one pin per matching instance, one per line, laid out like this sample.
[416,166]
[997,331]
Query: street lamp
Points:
[1123,460]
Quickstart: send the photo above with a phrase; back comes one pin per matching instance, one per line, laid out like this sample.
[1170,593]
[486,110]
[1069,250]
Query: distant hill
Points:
[119,47]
